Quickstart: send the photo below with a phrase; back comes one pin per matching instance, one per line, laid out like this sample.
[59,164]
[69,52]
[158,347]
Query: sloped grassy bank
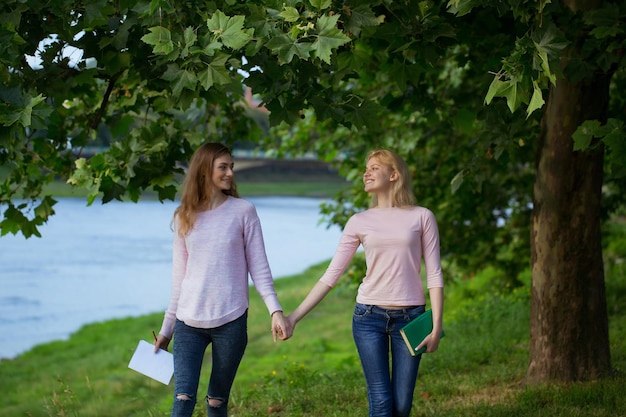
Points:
[478,370]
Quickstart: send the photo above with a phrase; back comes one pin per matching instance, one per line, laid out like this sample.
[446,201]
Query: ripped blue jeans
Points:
[229,343]
[377,335]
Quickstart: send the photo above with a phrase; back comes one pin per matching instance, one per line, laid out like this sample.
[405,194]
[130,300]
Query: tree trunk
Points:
[569,338]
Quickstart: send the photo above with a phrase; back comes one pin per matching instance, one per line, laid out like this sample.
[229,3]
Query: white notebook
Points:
[158,366]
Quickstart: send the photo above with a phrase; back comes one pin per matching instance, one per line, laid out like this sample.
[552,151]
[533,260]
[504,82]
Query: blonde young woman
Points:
[396,235]
[218,242]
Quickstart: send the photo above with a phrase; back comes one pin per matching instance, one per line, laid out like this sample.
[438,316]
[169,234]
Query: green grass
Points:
[478,370]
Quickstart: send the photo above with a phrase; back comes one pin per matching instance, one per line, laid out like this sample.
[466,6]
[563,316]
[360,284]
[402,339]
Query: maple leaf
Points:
[229,30]
[180,79]
[328,38]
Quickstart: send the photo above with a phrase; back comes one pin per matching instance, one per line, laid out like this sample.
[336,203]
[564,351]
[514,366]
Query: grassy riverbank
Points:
[314,189]
[478,370]
[282,178]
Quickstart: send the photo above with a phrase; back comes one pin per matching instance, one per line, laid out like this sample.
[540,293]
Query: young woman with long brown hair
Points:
[218,242]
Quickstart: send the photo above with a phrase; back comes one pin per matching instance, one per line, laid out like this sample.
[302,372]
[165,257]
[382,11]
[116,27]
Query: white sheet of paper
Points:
[158,366]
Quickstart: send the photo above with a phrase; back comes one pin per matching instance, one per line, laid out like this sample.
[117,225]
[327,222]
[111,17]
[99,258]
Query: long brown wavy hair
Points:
[197,186]
[401,190]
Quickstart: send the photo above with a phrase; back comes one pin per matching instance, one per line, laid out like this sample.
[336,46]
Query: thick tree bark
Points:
[569,322]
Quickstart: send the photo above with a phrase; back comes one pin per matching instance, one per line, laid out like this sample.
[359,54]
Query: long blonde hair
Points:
[198,185]
[401,190]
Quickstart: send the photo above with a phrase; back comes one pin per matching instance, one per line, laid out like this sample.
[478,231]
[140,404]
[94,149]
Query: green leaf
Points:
[286,48]
[211,48]
[460,7]
[166,193]
[44,209]
[13,219]
[230,30]
[190,40]
[615,141]
[606,32]
[536,101]
[98,162]
[606,21]
[91,197]
[402,73]
[457,181]
[549,42]
[27,112]
[361,17]
[96,12]
[40,116]
[494,90]
[122,126]
[290,14]
[235,37]
[585,133]
[328,38]
[111,190]
[82,174]
[321,4]
[545,65]
[506,89]
[180,79]
[161,40]
[611,133]
[364,115]
[215,72]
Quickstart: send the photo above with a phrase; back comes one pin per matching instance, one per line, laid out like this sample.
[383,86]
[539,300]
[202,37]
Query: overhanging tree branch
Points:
[95,122]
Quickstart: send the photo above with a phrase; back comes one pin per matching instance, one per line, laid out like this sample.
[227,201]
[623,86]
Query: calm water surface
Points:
[111,261]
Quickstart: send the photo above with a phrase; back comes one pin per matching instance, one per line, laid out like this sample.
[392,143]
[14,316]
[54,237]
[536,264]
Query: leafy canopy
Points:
[113,95]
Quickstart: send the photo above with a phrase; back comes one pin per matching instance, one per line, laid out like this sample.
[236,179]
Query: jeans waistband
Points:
[390,311]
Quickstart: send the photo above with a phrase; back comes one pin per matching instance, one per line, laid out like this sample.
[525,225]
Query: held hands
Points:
[292,322]
[281,326]
[315,296]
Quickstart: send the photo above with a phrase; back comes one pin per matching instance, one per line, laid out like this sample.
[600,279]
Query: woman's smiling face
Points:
[222,176]
[377,177]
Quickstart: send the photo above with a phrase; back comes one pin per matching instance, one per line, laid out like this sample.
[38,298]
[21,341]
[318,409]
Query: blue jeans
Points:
[229,343]
[375,330]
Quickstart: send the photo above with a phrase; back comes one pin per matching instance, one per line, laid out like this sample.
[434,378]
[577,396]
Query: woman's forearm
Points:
[315,296]
[436,304]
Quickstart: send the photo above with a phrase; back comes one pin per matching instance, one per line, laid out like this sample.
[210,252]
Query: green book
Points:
[415,332]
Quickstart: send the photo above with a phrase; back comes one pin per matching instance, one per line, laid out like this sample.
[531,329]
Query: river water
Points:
[114,260]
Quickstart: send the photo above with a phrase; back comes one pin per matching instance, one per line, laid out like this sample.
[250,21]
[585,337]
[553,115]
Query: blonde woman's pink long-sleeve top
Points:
[395,241]
[211,265]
